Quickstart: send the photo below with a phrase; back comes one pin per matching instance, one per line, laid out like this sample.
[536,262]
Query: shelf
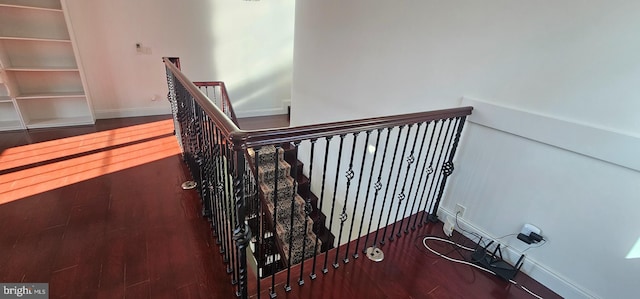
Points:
[9,119]
[53,5]
[22,54]
[41,69]
[32,23]
[51,95]
[54,112]
[59,122]
[29,82]
[38,39]
[10,125]
[42,85]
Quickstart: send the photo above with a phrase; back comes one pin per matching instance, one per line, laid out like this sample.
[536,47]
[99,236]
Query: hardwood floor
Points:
[408,270]
[131,232]
[98,212]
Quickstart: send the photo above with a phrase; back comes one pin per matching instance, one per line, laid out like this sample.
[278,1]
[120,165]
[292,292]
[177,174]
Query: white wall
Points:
[246,44]
[575,60]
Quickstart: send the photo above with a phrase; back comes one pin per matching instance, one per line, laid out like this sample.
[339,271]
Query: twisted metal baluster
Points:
[222,240]
[262,263]
[232,217]
[241,231]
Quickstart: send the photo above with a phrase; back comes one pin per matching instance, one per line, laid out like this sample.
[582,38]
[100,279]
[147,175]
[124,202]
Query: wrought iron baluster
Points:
[241,232]
[343,216]
[448,166]
[430,216]
[426,170]
[219,191]
[272,290]
[231,168]
[201,160]
[355,203]
[366,197]
[333,201]
[401,196]
[415,172]
[430,170]
[209,169]
[307,210]
[386,191]
[296,144]
[261,261]
[406,140]
[377,186]
[324,175]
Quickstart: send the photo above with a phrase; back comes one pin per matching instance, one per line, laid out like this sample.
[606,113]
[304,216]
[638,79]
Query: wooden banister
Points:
[239,190]
[243,139]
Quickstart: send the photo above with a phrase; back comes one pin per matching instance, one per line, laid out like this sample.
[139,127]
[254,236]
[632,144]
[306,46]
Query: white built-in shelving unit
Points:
[41,81]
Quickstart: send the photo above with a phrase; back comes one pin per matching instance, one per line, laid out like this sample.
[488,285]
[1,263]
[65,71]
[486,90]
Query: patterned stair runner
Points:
[291,238]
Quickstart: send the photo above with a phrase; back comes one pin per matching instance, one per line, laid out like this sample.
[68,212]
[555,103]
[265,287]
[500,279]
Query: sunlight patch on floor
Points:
[40,167]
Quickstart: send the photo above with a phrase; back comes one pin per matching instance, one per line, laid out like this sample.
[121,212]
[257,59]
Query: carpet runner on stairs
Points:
[290,237]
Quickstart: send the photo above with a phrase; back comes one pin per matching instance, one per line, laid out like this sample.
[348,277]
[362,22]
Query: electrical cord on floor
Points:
[466,231]
[424,242]
[544,241]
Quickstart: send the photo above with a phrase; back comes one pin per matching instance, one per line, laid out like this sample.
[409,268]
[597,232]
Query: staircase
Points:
[288,234]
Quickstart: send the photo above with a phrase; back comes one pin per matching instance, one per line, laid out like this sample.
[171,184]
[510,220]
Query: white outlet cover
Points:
[448,227]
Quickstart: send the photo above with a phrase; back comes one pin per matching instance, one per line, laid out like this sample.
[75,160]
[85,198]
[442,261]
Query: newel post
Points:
[241,232]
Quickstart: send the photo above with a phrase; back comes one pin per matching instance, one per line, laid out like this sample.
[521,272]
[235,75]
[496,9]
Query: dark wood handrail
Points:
[243,139]
[264,137]
[221,120]
[225,95]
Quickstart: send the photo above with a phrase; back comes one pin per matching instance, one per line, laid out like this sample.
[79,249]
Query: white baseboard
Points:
[536,270]
[264,112]
[260,112]
[148,111]
[131,112]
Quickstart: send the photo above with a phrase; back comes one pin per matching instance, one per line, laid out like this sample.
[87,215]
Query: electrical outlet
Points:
[459,211]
